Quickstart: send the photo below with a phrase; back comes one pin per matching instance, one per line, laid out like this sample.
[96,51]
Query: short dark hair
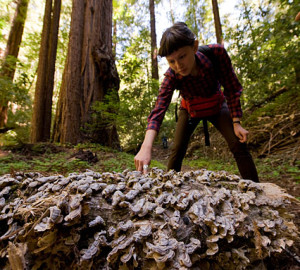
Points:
[174,38]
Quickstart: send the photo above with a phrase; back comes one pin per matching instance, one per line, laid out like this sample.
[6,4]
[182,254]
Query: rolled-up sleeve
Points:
[162,103]
[228,79]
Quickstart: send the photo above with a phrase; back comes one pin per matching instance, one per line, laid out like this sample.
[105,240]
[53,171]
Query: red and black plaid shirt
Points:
[205,84]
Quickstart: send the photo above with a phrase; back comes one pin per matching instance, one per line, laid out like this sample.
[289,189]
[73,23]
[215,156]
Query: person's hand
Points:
[240,132]
[142,160]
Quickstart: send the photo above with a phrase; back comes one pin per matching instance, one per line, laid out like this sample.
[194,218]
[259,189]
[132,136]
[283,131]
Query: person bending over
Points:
[199,78]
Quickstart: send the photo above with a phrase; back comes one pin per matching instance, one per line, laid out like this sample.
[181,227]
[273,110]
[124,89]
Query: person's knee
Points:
[238,149]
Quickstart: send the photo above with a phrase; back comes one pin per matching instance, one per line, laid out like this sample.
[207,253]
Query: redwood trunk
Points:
[12,51]
[153,41]
[217,21]
[41,120]
[68,112]
[90,75]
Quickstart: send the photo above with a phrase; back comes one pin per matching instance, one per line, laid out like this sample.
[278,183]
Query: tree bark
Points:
[217,22]
[90,76]
[154,63]
[41,120]
[67,123]
[12,51]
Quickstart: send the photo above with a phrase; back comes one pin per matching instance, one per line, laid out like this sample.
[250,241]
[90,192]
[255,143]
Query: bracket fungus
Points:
[161,220]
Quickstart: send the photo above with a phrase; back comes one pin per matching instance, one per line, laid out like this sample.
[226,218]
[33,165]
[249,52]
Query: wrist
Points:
[236,122]
[146,146]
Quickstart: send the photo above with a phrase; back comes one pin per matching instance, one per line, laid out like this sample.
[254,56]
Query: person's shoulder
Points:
[218,49]
[215,45]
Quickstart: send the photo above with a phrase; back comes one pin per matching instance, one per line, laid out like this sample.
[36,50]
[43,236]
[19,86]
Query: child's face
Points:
[183,60]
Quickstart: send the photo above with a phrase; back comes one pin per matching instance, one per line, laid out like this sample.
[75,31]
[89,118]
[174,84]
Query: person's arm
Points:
[143,157]
[155,119]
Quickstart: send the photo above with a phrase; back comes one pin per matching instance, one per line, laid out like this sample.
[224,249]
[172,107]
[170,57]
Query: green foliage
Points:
[129,22]
[106,111]
[103,117]
[54,163]
[271,168]
[198,16]
[16,95]
[17,136]
[288,101]
[6,13]
[267,48]
[11,163]
[137,93]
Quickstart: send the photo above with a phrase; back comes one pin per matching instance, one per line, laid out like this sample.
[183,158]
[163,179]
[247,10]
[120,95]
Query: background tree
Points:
[172,12]
[10,57]
[41,120]
[90,76]
[154,63]
[217,21]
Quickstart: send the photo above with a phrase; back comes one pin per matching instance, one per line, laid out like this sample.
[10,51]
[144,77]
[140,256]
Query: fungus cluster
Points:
[162,220]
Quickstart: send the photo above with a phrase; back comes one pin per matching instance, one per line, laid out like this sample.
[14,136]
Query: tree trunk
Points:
[41,120]
[90,76]
[171,12]
[114,46]
[67,123]
[217,22]
[12,51]
[154,64]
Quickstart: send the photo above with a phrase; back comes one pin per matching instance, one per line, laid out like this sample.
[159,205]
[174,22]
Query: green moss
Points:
[212,164]
[58,159]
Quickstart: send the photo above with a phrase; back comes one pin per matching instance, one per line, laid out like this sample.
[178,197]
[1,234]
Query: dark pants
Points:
[223,122]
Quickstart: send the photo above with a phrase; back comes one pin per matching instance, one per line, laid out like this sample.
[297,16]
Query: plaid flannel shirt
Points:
[207,82]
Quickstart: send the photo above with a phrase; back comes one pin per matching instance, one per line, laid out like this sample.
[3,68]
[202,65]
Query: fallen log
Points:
[193,220]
